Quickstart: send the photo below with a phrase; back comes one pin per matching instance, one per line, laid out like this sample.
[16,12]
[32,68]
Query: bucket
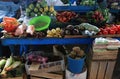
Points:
[75,65]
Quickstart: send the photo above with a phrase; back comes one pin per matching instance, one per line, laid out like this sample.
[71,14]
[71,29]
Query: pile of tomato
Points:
[110,30]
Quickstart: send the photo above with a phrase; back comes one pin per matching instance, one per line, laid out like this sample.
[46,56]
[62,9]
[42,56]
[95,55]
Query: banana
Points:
[46,8]
[51,9]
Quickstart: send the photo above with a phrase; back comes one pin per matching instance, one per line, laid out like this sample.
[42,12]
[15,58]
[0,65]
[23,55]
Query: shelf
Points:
[45,41]
[75,8]
[114,11]
[68,39]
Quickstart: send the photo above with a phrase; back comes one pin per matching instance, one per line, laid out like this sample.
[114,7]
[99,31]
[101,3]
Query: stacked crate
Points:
[102,61]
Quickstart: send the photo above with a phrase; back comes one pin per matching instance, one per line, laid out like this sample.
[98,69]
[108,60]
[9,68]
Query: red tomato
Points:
[100,33]
[114,28]
[105,32]
[107,29]
[118,27]
[101,29]
[112,31]
[118,32]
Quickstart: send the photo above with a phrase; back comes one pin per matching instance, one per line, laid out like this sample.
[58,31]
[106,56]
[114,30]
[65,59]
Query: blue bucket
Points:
[75,65]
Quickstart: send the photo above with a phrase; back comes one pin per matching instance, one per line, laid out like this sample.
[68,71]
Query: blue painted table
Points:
[23,42]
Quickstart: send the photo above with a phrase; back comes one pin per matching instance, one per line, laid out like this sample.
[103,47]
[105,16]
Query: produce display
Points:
[105,44]
[77,53]
[68,23]
[81,29]
[80,2]
[96,22]
[8,65]
[85,2]
[99,16]
[114,4]
[65,16]
[110,30]
[72,30]
[54,33]
[37,58]
[9,24]
[21,31]
[39,8]
[89,29]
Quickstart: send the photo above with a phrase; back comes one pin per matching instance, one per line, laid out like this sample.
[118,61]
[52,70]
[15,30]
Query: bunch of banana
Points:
[49,10]
[57,32]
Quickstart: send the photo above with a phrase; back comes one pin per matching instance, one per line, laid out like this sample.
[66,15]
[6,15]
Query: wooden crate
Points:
[101,64]
[46,75]
[24,76]
[51,70]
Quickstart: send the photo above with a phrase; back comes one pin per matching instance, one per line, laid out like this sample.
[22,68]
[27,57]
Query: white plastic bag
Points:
[54,2]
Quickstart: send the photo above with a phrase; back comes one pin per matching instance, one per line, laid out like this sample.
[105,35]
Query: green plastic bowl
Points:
[40,22]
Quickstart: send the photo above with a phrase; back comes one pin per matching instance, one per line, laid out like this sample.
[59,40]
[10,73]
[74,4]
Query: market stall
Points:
[77,22]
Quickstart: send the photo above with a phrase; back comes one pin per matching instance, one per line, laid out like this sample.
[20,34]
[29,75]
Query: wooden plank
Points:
[49,69]
[102,69]
[34,66]
[115,35]
[35,78]
[95,36]
[93,69]
[13,78]
[108,55]
[110,68]
[48,75]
